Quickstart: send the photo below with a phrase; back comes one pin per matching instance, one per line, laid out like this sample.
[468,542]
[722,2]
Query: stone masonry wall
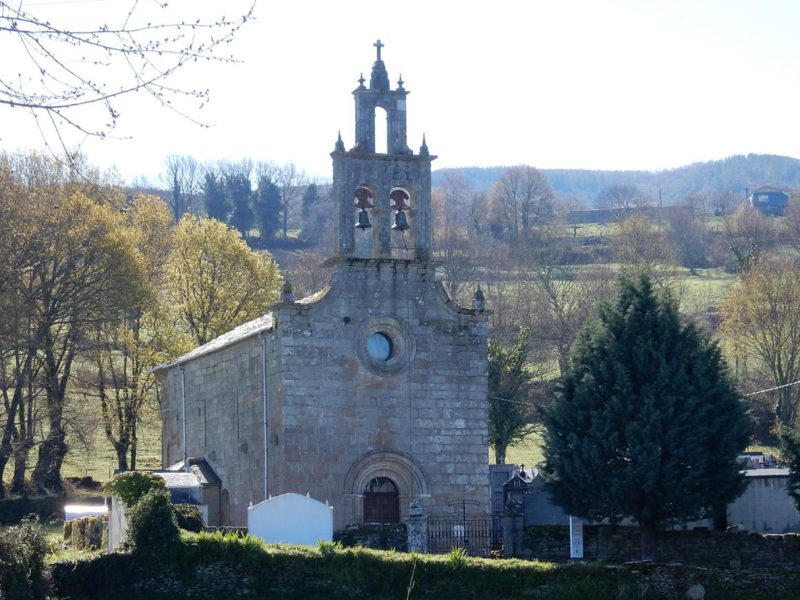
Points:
[421,423]
[725,550]
[225,423]
[335,418]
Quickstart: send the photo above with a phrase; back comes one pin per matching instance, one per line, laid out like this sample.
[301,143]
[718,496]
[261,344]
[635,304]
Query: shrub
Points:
[189,517]
[329,548]
[131,486]
[152,526]
[86,533]
[457,558]
[23,549]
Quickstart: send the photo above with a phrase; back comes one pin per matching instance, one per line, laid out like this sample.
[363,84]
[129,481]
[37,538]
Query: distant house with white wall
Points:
[765,506]
[769,200]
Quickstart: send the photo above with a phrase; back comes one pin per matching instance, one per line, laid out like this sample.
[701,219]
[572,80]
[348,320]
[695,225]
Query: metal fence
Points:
[480,536]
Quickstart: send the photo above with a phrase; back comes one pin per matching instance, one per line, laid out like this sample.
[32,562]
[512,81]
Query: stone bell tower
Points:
[371,393]
[384,200]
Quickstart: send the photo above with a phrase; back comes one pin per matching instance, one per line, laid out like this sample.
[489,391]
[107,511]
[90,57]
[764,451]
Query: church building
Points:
[370,394]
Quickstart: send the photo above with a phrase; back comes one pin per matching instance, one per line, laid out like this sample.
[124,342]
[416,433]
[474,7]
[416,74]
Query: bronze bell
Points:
[363,219]
[400,221]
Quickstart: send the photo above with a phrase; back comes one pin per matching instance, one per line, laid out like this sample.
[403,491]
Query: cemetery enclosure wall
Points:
[619,544]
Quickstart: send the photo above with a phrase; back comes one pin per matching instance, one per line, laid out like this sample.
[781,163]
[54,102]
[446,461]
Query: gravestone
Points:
[291,519]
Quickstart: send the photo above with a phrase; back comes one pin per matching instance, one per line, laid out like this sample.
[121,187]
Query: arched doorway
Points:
[381,501]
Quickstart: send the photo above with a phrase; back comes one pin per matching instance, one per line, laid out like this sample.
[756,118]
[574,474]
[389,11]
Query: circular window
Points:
[384,345]
[379,346]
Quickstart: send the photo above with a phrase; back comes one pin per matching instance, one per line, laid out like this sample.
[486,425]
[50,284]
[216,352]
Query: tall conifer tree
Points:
[646,422]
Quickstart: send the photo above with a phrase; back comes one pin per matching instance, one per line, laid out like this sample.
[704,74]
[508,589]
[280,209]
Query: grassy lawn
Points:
[527,452]
[94,455]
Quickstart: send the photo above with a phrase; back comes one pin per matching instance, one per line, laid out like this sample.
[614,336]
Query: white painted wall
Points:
[765,506]
[291,519]
[117,525]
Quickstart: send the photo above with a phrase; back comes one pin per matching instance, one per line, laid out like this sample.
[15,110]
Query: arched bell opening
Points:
[363,205]
[381,501]
[402,231]
[381,130]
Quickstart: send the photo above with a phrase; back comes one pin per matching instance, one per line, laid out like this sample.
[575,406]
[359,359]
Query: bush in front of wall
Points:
[131,486]
[23,549]
[189,517]
[152,526]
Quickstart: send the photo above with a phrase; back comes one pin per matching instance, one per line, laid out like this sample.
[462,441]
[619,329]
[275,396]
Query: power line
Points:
[764,391]
[772,389]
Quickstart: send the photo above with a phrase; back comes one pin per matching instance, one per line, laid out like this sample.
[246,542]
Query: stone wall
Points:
[375,536]
[725,550]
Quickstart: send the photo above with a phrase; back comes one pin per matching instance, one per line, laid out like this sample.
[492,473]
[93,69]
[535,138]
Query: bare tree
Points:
[725,202]
[521,200]
[762,320]
[456,243]
[642,250]
[626,197]
[184,176]
[567,292]
[56,71]
[749,235]
[291,184]
[792,222]
[306,273]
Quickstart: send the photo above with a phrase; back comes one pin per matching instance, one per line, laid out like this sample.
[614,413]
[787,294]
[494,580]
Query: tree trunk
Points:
[500,454]
[20,465]
[47,473]
[649,539]
[122,456]
[133,443]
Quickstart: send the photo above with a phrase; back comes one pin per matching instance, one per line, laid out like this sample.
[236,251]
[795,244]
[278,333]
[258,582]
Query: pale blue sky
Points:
[611,84]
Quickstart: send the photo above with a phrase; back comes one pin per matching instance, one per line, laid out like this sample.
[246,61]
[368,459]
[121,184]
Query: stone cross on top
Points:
[379,45]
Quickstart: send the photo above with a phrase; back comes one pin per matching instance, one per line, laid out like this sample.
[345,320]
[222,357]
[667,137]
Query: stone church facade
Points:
[370,394]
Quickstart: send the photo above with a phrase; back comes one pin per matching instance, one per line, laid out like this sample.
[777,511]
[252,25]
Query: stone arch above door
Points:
[400,469]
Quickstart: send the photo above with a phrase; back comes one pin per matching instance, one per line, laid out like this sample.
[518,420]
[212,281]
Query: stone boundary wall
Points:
[616,544]
[375,536]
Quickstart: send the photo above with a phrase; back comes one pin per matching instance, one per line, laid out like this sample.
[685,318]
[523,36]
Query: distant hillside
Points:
[736,173]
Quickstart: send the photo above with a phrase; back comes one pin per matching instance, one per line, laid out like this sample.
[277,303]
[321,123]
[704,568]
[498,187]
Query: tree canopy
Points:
[215,281]
[646,422]
[510,409]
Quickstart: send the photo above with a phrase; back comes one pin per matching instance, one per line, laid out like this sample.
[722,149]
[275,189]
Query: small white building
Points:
[765,506]
[291,519]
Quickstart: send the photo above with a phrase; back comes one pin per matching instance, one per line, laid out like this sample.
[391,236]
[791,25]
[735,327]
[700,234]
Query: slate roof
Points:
[766,473]
[244,331]
[179,479]
[198,467]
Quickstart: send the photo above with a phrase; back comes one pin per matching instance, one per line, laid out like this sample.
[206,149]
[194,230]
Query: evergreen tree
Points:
[790,449]
[216,200]
[510,414]
[646,422]
[267,208]
[240,194]
[310,199]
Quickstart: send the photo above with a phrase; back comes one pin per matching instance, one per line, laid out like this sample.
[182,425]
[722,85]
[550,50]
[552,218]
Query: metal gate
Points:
[479,535]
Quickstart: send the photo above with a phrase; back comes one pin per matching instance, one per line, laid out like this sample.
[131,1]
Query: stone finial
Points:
[288,296]
[361,81]
[414,509]
[423,150]
[339,147]
[478,300]
[400,83]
